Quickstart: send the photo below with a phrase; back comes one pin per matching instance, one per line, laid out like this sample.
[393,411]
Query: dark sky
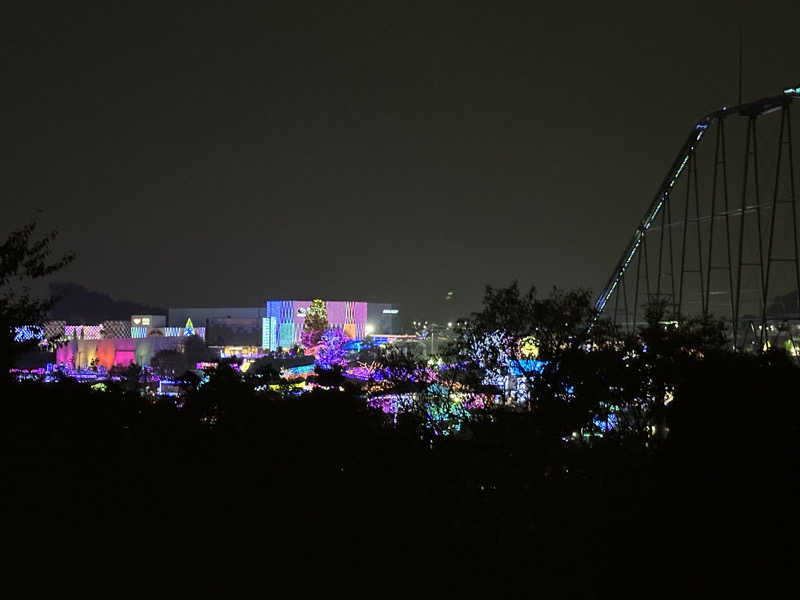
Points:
[393,151]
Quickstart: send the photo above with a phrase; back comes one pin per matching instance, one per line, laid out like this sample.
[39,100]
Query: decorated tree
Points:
[332,351]
[315,323]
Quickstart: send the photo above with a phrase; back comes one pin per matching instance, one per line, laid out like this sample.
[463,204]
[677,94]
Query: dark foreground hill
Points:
[235,490]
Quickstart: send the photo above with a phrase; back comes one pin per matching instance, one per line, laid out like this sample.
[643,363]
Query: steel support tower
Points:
[720,237]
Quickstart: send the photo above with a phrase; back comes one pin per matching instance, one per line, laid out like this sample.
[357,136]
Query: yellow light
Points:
[528,348]
[369,329]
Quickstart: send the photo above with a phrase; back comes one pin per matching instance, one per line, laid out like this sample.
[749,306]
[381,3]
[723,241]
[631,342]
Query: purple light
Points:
[332,351]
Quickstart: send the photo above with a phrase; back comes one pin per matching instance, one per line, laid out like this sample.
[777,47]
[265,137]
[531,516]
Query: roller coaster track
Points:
[682,268]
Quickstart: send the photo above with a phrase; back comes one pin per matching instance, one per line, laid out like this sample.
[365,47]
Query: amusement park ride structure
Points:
[720,237]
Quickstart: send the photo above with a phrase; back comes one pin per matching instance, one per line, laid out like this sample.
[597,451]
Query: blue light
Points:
[527,366]
[353,346]
[300,370]
[27,332]
[606,425]
[701,129]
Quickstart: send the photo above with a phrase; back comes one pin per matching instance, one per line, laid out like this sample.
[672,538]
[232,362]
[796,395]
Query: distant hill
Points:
[76,304]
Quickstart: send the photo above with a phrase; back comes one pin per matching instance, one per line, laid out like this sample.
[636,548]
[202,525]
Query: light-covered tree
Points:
[315,323]
[332,351]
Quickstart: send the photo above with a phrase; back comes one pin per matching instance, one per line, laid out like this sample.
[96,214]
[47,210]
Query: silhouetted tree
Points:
[188,382]
[195,350]
[24,258]
[263,372]
[130,377]
[664,353]
[169,362]
[330,378]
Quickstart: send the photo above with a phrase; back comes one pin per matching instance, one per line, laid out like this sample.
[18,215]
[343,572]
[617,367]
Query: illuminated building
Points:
[384,318]
[148,321]
[79,354]
[226,326]
[60,330]
[280,322]
[283,323]
[239,331]
[114,342]
[151,327]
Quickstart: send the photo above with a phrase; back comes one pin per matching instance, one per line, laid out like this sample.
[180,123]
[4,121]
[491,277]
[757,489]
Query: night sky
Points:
[394,151]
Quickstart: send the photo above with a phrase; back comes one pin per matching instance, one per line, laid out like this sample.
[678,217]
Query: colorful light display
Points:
[51,330]
[268,330]
[283,324]
[332,349]
[120,351]
[83,332]
[116,329]
[27,333]
[140,332]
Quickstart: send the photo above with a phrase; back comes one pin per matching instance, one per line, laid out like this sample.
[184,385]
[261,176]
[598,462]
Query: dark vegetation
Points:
[171,363]
[698,487]
[322,478]
[25,258]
